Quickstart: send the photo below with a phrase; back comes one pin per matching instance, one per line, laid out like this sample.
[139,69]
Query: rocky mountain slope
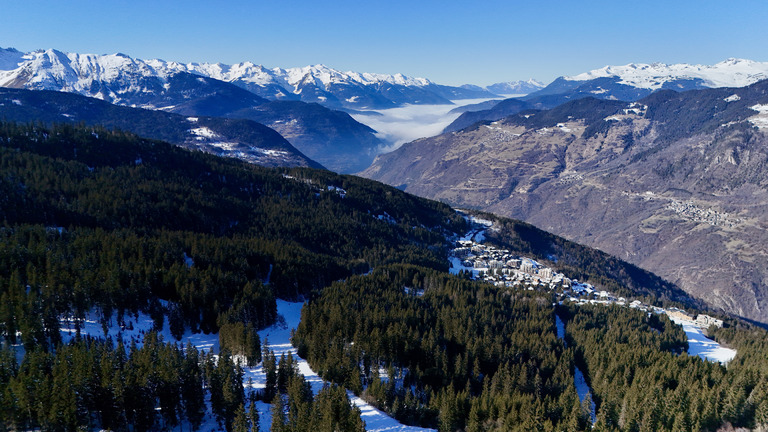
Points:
[675,182]
[239,138]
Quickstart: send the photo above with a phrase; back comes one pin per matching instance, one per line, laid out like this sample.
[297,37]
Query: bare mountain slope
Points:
[676,183]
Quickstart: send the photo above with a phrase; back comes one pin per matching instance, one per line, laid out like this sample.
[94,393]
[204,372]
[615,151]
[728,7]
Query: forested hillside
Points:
[453,354]
[105,222]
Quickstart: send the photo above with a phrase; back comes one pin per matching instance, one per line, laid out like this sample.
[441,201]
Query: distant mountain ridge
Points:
[630,83]
[119,78]
[511,87]
[732,72]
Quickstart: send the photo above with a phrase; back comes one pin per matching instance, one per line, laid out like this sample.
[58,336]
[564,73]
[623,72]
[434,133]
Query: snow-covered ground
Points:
[582,388]
[704,347]
[278,339]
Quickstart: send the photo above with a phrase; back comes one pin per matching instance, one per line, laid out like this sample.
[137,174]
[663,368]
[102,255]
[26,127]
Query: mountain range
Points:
[674,182]
[119,78]
[521,87]
[332,138]
[299,103]
[628,83]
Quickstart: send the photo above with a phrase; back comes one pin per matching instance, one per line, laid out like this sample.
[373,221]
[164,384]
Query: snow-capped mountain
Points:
[337,141]
[630,83]
[729,73]
[636,80]
[515,87]
[334,88]
[121,79]
[115,78]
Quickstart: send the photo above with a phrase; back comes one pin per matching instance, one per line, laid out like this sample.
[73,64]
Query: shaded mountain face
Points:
[242,139]
[343,144]
[676,182]
[332,138]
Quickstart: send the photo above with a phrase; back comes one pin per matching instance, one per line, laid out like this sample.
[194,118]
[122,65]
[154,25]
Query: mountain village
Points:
[504,269]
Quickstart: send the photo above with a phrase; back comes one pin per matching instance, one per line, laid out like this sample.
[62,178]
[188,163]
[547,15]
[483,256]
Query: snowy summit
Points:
[728,73]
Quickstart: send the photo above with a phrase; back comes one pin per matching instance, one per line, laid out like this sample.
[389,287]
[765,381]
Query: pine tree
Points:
[192,392]
[241,422]
[270,370]
[253,415]
[278,415]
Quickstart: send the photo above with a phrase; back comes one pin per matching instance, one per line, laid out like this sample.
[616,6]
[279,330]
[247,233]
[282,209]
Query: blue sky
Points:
[449,42]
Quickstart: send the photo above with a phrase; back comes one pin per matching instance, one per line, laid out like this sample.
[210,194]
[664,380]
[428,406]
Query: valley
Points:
[181,248]
[632,179]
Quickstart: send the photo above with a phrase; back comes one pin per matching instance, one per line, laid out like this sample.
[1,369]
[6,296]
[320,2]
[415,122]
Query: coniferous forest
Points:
[104,222]
[98,222]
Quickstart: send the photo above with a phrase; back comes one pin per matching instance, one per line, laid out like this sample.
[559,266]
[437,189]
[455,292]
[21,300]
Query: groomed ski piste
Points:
[704,347]
[278,339]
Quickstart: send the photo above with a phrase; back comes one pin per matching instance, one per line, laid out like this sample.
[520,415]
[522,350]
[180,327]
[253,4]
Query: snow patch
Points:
[582,388]
[584,392]
[760,120]
[204,133]
[702,346]
[270,152]
[188,261]
[411,291]
[228,146]
[733,98]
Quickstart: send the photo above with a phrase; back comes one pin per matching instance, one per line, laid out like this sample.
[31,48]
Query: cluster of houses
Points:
[501,268]
[504,269]
[692,212]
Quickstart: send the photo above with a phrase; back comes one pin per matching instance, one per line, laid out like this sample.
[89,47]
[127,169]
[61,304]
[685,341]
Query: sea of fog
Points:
[398,126]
